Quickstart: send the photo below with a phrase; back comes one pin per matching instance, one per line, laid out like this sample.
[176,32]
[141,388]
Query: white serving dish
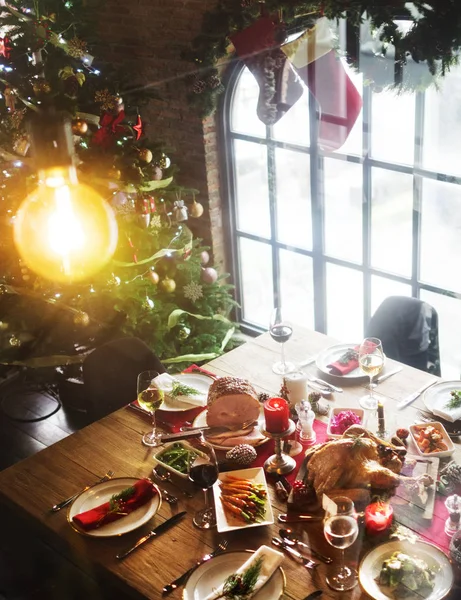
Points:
[446,439]
[358,411]
[227,522]
[158,459]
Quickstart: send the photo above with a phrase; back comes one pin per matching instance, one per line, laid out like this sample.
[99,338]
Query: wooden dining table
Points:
[29,488]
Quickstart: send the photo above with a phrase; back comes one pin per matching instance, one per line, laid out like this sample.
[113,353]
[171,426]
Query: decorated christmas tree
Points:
[159,284]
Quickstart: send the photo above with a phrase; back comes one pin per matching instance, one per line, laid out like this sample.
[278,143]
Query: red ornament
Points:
[378,517]
[5,47]
[138,127]
[109,128]
[276,414]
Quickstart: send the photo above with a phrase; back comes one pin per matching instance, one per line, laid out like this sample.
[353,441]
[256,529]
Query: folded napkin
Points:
[441,410]
[271,561]
[165,382]
[144,490]
[346,363]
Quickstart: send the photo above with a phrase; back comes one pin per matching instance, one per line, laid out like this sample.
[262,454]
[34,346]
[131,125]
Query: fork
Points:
[309,564]
[182,578]
[67,501]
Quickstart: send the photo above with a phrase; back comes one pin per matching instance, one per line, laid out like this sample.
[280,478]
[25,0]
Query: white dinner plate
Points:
[200,421]
[194,380]
[439,394]
[226,522]
[211,574]
[332,354]
[371,564]
[103,492]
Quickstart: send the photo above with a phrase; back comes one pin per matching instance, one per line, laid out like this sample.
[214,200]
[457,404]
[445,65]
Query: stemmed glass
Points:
[371,361]
[281,331]
[150,398]
[203,471]
[341,530]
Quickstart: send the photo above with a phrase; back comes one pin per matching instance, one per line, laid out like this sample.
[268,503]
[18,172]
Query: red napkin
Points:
[144,490]
[343,368]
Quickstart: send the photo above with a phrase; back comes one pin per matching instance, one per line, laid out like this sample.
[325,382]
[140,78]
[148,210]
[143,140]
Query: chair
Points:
[408,330]
[110,374]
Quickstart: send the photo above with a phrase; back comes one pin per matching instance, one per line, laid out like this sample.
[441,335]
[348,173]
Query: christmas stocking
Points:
[322,71]
[280,87]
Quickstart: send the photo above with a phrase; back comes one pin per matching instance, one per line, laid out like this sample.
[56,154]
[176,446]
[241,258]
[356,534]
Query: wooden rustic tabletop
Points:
[32,486]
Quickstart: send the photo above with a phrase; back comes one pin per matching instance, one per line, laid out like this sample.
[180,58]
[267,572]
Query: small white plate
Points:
[331,355]
[371,564]
[227,522]
[200,421]
[195,380]
[445,436]
[211,574]
[439,394]
[103,492]
[358,411]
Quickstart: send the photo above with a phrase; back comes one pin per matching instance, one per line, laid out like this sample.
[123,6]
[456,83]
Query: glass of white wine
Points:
[371,361]
[150,399]
[341,530]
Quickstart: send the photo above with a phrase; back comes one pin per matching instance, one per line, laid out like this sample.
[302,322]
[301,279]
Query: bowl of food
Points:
[176,457]
[431,439]
[341,419]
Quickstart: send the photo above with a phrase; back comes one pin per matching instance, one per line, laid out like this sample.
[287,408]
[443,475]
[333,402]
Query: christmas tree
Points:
[159,284]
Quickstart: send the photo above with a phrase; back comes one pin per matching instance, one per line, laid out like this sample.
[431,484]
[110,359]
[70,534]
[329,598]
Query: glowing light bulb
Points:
[64,230]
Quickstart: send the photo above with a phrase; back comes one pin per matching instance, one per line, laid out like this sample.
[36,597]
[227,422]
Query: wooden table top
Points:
[32,486]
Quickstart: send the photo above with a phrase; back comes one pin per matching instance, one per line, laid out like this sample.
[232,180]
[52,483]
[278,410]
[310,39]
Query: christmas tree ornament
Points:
[10,98]
[155,221]
[209,275]
[5,47]
[145,155]
[14,341]
[198,86]
[214,82]
[107,100]
[41,87]
[137,128]
[81,319]
[157,174]
[164,161]
[110,130]
[196,210]
[183,332]
[168,285]
[259,46]
[148,303]
[79,127]
[242,455]
[204,258]
[153,276]
[76,48]
[193,291]
[180,211]
[21,145]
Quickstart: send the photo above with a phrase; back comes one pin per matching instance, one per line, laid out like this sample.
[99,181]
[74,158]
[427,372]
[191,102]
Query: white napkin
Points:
[165,382]
[271,561]
[449,414]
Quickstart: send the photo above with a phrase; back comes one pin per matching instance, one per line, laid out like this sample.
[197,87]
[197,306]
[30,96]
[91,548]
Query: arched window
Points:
[331,234]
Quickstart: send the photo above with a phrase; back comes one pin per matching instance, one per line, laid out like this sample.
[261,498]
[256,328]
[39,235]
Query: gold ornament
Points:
[114,173]
[168,285]
[107,100]
[79,127]
[145,155]
[41,87]
[76,47]
[21,145]
[196,210]
[164,162]
[14,341]
[154,277]
[82,318]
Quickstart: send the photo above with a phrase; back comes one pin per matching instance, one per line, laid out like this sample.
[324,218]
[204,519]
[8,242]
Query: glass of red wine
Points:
[281,331]
[203,471]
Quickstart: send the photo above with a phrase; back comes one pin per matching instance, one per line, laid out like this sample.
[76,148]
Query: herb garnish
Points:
[180,389]
[351,354]
[240,586]
[117,500]
[455,400]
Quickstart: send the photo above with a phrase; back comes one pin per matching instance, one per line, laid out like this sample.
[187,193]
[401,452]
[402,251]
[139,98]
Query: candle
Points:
[276,413]
[381,422]
[296,386]
[378,517]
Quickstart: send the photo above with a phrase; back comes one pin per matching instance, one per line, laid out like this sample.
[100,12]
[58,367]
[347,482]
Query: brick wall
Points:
[146,37]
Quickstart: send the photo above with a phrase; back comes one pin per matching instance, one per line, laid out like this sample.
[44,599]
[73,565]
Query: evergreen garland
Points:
[434,36]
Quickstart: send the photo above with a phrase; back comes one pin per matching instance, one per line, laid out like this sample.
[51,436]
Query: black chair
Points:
[408,330]
[110,374]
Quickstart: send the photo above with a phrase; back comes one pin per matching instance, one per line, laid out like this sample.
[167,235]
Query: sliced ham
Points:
[231,402]
[233,438]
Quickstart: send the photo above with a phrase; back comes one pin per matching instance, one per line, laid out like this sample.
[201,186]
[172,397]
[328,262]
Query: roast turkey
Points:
[231,403]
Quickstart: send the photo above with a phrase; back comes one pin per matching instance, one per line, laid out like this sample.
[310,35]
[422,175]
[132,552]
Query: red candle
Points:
[378,517]
[277,414]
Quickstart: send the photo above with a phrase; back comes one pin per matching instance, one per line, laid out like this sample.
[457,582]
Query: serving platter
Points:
[200,421]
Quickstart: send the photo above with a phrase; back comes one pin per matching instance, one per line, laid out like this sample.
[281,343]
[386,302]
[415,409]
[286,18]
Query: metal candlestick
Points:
[280,462]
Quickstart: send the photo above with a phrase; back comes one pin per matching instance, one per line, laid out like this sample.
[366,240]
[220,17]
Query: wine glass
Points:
[203,471]
[281,331]
[341,530]
[150,398]
[371,361]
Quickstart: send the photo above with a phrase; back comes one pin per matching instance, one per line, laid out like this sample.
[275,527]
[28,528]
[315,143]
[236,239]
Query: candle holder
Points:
[280,462]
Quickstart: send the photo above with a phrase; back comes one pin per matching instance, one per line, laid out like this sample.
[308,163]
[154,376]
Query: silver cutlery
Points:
[296,518]
[412,397]
[154,533]
[382,378]
[309,564]
[319,388]
[182,578]
[67,501]
[289,538]
[308,361]
[332,387]
[170,498]
[164,475]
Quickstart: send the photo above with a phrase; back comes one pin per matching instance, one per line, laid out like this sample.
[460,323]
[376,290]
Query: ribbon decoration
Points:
[156,256]
[109,127]
[68,72]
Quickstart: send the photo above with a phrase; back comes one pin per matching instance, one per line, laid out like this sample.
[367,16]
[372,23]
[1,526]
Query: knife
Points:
[412,397]
[335,388]
[315,594]
[154,533]
[382,378]
[284,518]
[181,435]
